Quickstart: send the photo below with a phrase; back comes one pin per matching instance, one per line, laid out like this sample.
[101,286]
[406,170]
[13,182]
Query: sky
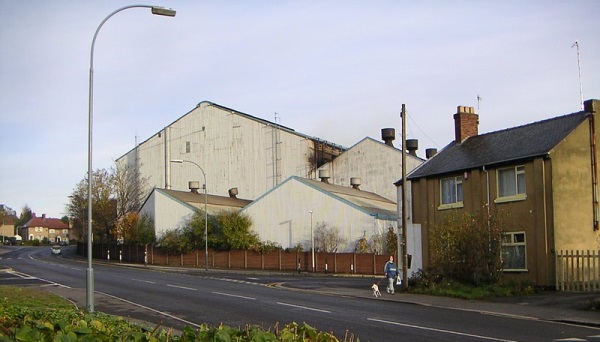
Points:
[336,70]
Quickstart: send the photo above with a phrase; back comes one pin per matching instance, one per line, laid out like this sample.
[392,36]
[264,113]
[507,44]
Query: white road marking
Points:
[439,330]
[182,287]
[144,281]
[233,295]
[303,307]
[150,309]
[570,339]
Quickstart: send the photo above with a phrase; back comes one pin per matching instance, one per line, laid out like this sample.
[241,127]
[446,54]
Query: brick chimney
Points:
[465,123]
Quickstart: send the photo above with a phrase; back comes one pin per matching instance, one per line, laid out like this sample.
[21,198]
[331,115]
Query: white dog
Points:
[376,292]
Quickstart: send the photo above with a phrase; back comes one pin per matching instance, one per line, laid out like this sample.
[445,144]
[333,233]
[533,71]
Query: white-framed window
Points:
[451,192]
[514,251]
[511,183]
[52,230]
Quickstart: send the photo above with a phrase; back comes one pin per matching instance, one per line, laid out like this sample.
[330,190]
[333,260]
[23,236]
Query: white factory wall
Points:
[283,216]
[233,149]
[377,165]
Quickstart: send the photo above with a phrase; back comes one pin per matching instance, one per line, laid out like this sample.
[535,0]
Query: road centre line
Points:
[182,287]
[144,281]
[232,295]
[439,330]
[303,307]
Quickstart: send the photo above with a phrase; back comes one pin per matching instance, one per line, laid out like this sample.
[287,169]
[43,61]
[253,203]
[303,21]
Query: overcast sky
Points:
[336,70]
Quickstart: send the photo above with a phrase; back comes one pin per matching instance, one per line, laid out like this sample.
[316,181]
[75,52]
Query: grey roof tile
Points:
[508,145]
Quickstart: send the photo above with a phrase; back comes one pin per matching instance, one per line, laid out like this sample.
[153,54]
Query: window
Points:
[514,252]
[188,147]
[451,192]
[511,181]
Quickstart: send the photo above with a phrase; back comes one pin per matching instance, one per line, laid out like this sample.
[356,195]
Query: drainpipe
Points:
[594,163]
[487,187]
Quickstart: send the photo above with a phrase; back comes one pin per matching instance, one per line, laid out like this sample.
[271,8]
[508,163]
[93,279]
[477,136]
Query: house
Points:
[289,213]
[171,209]
[230,147]
[544,174]
[376,163]
[7,226]
[45,228]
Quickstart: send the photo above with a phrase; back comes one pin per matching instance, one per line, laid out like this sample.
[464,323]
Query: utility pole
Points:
[404,206]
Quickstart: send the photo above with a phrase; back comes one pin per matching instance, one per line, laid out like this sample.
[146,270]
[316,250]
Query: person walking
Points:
[391,272]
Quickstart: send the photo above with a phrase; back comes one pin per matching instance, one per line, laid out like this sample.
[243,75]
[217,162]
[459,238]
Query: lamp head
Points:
[167,12]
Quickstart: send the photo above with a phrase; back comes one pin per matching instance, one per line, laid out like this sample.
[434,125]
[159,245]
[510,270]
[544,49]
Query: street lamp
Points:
[90,271]
[312,241]
[180,161]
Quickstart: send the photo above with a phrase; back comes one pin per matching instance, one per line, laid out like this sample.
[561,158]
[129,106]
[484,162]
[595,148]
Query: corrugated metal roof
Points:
[197,199]
[370,202]
[509,145]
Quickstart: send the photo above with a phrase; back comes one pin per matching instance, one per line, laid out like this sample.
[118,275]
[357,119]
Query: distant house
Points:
[44,228]
[288,213]
[171,209]
[544,174]
[7,226]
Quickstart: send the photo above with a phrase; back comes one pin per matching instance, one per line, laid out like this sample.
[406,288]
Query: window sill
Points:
[451,206]
[517,270]
[515,198]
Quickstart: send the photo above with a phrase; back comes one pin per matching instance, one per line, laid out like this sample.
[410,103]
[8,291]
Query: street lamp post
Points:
[179,161]
[90,271]
[312,241]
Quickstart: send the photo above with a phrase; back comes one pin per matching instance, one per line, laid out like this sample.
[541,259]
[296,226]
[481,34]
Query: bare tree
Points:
[327,239]
[129,187]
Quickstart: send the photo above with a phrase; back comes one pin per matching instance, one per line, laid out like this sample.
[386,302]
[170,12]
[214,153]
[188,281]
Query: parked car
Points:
[63,243]
[56,250]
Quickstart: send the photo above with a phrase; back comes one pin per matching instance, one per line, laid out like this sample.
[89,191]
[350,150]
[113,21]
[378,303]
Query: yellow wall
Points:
[572,192]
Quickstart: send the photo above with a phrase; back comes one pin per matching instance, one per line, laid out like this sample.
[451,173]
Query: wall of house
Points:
[572,192]
[232,149]
[527,215]
[283,216]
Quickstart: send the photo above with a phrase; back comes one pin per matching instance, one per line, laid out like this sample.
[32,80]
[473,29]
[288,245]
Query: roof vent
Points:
[355,182]
[388,135]
[412,145]
[233,192]
[194,186]
[430,152]
[324,175]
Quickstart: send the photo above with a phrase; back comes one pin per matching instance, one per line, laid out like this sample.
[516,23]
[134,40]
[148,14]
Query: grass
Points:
[33,298]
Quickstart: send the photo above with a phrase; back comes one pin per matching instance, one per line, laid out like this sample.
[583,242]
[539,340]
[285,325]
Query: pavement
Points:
[566,307]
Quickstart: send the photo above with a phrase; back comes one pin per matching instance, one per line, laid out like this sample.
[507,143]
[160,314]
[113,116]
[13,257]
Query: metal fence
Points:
[578,271]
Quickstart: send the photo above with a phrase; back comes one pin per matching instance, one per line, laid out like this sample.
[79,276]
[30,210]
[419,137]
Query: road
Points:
[176,299]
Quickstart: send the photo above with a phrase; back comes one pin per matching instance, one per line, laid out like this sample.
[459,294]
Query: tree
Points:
[233,231]
[391,241]
[175,242]
[362,245]
[466,247]
[24,217]
[327,239]
[129,188]
[103,206]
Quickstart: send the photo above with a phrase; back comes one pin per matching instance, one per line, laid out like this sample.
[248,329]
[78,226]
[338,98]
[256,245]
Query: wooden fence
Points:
[578,271]
[339,263]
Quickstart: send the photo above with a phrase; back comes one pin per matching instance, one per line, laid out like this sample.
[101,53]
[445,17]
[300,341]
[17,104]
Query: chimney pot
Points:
[324,175]
[355,182]
[388,135]
[430,152]
[233,192]
[412,145]
[194,186]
